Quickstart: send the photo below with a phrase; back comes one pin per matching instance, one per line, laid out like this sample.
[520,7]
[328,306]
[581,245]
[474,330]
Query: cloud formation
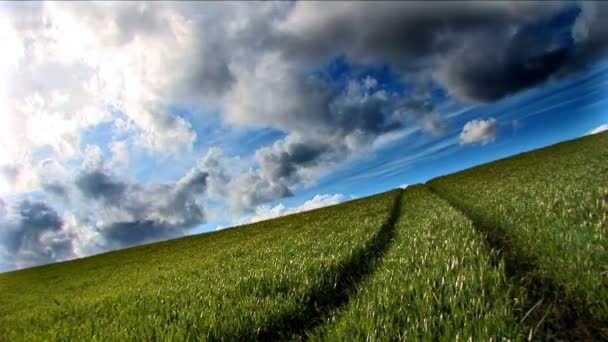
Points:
[31,234]
[125,213]
[71,67]
[266,212]
[482,51]
[482,131]
[598,129]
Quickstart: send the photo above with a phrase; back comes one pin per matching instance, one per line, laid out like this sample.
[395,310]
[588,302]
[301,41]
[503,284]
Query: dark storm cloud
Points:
[57,190]
[135,232]
[400,33]
[227,34]
[479,51]
[282,161]
[131,213]
[488,77]
[485,50]
[30,233]
[591,33]
[513,62]
[97,184]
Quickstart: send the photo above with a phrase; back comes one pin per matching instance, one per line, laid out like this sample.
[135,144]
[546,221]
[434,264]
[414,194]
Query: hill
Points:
[515,248]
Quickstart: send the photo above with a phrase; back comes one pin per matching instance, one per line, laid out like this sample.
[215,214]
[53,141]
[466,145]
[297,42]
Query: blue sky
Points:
[563,110]
[200,116]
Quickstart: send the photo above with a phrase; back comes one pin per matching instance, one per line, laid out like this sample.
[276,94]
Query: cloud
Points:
[479,51]
[483,131]
[97,184]
[128,214]
[78,66]
[517,60]
[422,110]
[8,177]
[123,212]
[70,67]
[265,212]
[425,47]
[16,177]
[120,154]
[325,126]
[31,233]
[251,189]
[590,32]
[220,169]
[598,129]
[254,61]
[105,213]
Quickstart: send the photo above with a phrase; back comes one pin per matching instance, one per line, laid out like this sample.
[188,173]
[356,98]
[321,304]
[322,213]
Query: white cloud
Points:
[265,212]
[92,157]
[68,64]
[120,154]
[598,129]
[483,131]
[124,212]
[69,67]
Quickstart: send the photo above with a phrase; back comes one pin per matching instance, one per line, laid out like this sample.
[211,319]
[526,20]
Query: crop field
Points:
[257,281]
[438,281]
[511,250]
[548,211]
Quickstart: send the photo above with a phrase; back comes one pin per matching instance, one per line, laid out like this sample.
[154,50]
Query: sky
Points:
[124,123]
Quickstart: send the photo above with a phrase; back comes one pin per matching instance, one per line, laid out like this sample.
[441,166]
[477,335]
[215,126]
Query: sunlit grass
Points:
[240,283]
[513,249]
[553,204]
[438,281]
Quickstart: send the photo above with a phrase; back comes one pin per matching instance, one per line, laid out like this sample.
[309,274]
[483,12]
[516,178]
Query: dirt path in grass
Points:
[546,312]
[333,294]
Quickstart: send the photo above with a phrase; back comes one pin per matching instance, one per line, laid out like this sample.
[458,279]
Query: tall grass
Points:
[552,204]
[239,284]
[438,281]
[513,249]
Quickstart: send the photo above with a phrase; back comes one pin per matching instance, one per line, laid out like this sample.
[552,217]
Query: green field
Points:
[512,249]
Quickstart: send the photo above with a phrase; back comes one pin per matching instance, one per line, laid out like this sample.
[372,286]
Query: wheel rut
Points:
[548,314]
[334,293]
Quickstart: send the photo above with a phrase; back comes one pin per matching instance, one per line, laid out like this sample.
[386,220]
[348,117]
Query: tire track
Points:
[335,292]
[546,312]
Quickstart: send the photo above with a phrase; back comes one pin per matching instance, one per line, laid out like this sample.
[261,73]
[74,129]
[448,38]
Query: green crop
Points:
[260,281]
[438,281]
[511,250]
[550,206]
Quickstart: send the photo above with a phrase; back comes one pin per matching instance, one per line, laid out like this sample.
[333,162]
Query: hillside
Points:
[515,248]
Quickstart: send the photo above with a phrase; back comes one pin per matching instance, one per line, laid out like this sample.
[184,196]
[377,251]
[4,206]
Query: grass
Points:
[438,281]
[551,208]
[515,249]
[244,283]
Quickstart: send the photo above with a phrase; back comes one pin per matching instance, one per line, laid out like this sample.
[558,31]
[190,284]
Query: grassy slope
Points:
[348,271]
[260,280]
[438,281]
[548,210]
